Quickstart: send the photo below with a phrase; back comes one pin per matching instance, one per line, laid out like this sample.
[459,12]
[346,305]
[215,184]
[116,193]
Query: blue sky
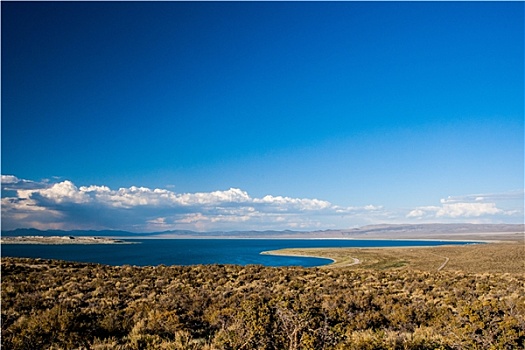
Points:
[340,114]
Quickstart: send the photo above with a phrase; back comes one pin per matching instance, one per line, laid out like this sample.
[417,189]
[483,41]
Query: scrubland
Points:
[395,305]
[503,257]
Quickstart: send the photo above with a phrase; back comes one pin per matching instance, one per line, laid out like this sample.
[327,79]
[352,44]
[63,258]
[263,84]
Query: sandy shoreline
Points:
[279,253]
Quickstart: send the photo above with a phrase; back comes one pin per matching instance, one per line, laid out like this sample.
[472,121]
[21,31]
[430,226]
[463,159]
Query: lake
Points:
[198,251]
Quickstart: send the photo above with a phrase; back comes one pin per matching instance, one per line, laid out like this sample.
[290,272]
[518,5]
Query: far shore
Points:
[470,238]
[59,240]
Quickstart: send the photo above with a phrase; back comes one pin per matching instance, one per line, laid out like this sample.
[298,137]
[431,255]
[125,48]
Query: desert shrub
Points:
[50,304]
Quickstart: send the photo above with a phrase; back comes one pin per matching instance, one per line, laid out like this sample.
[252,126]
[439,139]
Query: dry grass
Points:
[479,258]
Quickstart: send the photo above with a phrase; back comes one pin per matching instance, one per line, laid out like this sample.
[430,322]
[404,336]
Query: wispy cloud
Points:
[66,205]
[483,197]
[505,206]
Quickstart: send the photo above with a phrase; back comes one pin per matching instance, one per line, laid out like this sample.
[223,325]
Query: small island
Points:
[60,240]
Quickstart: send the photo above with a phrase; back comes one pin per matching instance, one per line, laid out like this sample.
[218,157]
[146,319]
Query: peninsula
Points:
[60,240]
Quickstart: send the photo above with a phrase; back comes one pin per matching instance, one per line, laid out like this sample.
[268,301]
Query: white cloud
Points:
[296,203]
[494,205]
[9,179]
[64,205]
[422,211]
[493,197]
[455,210]
[25,212]
[373,207]
[146,209]
[62,192]
[158,221]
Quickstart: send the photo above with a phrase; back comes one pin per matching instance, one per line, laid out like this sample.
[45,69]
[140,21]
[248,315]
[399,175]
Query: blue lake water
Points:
[197,251]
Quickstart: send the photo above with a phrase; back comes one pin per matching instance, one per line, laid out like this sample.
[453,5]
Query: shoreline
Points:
[276,253]
[356,261]
[62,240]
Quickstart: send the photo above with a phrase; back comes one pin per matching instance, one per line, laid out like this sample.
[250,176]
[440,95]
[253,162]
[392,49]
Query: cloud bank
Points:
[64,205]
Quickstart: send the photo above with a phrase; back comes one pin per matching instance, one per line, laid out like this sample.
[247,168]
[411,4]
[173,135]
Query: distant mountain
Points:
[162,234]
[440,228]
[512,232]
[383,231]
[48,233]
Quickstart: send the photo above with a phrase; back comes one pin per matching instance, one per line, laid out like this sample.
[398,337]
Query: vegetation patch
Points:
[63,305]
[389,265]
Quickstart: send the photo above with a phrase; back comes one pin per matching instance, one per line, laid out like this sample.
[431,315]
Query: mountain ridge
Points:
[389,231]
